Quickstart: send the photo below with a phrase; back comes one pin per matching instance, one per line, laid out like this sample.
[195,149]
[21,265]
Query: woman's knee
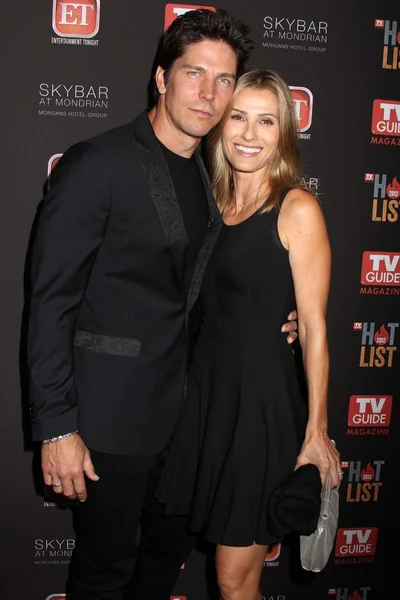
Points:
[233,579]
[230,581]
[239,571]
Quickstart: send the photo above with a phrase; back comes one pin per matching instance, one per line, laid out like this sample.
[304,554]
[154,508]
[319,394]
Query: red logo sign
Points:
[356,542]
[357,326]
[172,11]
[273,552]
[53,160]
[76,19]
[178,598]
[303,101]
[58,597]
[369,177]
[379,23]
[369,411]
[386,117]
[380,268]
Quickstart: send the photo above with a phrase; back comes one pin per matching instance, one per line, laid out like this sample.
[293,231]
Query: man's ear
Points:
[160,80]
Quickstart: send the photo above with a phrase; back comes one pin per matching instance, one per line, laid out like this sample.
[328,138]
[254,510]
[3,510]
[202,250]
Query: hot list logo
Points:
[361,593]
[172,11]
[364,482]
[369,415]
[386,122]
[273,553]
[380,271]
[356,542]
[303,102]
[76,23]
[385,197]
[377,344]
[391,43]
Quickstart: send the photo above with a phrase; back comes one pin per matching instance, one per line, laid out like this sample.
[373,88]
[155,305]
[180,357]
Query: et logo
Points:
[76,19]
[272,555]
[303,102]
[172,11]
[52,163]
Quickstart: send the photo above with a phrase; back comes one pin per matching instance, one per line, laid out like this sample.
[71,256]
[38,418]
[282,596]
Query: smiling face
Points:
[251,135]
[197,91]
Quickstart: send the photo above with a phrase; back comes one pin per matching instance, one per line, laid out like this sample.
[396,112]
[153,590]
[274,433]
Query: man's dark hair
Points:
[195,26]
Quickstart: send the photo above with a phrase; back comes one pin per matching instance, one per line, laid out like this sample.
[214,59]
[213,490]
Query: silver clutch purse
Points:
[315,549]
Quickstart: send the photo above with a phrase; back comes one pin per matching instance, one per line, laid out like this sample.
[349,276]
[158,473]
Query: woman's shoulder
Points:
[299,202]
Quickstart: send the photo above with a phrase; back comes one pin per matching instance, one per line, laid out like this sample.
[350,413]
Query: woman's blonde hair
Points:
[283,169]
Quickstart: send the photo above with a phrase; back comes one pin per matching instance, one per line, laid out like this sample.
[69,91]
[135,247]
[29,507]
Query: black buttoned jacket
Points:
[107,344]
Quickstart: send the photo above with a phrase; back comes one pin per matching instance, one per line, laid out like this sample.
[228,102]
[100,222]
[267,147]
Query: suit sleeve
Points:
[71,225]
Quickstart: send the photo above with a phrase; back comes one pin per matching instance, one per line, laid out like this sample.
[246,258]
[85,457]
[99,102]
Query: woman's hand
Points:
[290,327]
[319,450]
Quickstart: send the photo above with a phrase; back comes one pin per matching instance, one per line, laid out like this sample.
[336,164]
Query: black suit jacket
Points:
[107,344]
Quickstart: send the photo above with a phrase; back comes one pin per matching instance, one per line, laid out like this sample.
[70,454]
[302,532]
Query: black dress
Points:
[242,425]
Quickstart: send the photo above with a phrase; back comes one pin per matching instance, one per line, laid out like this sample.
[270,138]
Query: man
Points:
[122,242]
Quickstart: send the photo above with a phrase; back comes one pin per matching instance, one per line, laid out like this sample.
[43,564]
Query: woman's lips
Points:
[248,150]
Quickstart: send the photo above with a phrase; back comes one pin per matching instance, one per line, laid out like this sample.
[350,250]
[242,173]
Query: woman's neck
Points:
[249,188]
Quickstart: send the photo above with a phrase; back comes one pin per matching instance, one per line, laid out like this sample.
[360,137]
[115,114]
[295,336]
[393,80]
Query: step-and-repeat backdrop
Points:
[74,69]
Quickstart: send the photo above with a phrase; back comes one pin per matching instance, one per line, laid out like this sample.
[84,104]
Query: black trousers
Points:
[110,562]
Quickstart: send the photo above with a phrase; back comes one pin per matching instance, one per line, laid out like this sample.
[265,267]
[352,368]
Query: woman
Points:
[244,426]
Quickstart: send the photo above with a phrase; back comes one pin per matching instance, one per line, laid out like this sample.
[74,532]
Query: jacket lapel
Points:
[201,262]
[212,205]
[162,191]
[155,169]
[214,227]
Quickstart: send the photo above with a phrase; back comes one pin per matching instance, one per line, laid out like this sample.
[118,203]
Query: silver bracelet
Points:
[59,437]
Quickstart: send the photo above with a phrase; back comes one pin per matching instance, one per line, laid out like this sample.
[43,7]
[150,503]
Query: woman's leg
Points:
[239,571]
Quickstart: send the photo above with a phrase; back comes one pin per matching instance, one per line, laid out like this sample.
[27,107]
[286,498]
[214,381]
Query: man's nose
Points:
[207,90]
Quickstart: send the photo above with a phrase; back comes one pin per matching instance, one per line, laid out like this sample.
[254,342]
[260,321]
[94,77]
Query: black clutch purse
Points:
[294,505]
